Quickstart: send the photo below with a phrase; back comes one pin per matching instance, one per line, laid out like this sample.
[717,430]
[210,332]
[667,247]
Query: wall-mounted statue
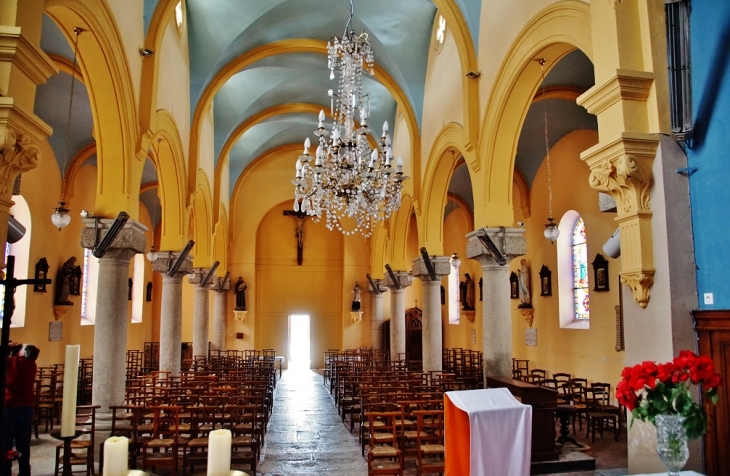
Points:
[240,291]
[466,293]
[64,282]
[76,282]
[524,280]
[356,295]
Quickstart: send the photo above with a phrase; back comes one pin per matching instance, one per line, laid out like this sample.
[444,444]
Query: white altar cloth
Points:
[500,432]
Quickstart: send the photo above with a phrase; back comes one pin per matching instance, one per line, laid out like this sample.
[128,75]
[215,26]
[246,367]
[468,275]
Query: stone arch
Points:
[379,244]
[551,34]
[400,227]
[101,59]
[203,206]
[167,157]
[284,47]
[220,240]
[448,147]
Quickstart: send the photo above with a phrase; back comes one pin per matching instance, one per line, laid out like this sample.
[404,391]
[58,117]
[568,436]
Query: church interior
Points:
[176,129]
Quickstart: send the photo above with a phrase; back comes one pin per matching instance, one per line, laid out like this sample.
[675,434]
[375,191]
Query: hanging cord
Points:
[547,144]
[349,21]
[77,32]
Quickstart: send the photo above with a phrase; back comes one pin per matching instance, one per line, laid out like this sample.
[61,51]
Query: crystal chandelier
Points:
[348,180]
[551,228]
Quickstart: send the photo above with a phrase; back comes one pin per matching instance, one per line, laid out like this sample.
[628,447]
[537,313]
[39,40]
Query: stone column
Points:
[171,309]
[432,330]
[110,326]
[496,312]
[221,287]
[398,311]
[376,319]
[200,313]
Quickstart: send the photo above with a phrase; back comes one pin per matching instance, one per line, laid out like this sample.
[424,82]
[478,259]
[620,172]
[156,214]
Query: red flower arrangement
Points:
[648,390]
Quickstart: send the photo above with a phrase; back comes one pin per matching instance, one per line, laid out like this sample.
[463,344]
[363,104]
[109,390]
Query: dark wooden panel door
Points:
[414,334]
[713,331]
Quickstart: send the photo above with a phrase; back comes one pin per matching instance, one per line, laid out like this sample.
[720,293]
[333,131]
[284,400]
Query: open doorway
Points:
[298,341]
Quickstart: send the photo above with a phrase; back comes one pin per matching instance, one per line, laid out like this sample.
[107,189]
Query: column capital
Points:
[197,276]
[509,241]
[622,167]
[404,279]
[441,266]
[165,260]
[381,288]
[220,285]
[130,240]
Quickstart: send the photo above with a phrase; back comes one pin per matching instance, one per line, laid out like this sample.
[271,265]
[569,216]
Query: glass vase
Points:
[671,442]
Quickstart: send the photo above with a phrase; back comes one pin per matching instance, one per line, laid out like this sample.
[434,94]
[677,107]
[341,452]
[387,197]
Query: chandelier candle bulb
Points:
[321,119]
[307,145]
[116,454]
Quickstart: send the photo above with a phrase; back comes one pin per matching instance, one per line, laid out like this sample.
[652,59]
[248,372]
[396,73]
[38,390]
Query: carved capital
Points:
[509,241]
[440,264]
[129,241]
[18,155]
[166,259]
[404,280]
[623,168]
[640,284]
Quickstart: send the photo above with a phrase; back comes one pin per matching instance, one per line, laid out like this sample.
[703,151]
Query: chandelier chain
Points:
[77,31]
[547,143]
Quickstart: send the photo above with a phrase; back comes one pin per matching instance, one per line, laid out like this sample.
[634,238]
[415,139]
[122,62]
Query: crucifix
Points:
[10,284]
[300,216]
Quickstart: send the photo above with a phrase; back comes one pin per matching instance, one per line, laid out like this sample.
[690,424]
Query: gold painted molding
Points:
[624,85]
[622,168]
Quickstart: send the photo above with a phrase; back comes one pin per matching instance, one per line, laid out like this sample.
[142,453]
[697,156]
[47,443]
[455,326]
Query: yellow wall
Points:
[282,288]
[57,246]
[583,353]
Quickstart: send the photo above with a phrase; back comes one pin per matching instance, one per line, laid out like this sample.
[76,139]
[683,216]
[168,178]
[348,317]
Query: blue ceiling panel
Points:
[472,10]
[53,41]
[152,202]
[563,118]
[573,70]
[51,105]
[283,130]
[149,10]
[149,172]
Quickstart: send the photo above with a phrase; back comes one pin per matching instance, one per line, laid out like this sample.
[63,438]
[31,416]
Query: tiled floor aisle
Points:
[305,435]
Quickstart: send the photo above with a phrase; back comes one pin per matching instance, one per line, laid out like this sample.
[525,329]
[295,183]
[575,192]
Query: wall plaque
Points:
[55,331]
[531,337]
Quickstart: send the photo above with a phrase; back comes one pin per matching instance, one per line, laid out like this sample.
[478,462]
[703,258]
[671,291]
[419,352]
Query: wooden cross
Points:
[10,284]
[300,216]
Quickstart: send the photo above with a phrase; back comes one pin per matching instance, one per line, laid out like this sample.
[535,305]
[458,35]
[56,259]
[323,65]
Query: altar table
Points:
[487,432]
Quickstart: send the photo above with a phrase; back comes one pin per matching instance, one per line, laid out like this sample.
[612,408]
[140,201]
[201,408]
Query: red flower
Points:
[712,382]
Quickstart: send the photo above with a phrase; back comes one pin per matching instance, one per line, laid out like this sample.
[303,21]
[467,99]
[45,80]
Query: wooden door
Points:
[713,331]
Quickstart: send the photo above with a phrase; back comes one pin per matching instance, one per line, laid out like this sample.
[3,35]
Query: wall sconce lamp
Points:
[179,261]
[146,52]
[101,246]
[204,281]
[473,75]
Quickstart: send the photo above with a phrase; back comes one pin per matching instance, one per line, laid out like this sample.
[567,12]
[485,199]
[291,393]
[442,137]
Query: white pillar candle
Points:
[116,456]
[70,383]
[219,452]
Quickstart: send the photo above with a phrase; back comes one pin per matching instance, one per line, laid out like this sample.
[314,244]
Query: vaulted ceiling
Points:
[272,102]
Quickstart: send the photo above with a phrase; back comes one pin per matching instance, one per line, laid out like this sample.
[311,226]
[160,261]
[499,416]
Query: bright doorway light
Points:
[299,341]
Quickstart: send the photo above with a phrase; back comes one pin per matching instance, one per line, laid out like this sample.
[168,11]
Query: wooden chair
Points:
[46,398]
[123,424]
[245,430]
[163,447]
[536,375]
[430,441]
[384,457]
[619,410]
[82,448]
[576,395]
[596,414]
[562,377]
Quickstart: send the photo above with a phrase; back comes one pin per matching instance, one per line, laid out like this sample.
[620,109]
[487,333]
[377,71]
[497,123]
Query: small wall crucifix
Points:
[300,217]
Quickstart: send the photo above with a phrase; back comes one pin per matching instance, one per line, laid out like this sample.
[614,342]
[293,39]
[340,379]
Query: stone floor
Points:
[306,437]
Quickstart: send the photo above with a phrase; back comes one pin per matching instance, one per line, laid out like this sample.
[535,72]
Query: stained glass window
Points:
[580,271]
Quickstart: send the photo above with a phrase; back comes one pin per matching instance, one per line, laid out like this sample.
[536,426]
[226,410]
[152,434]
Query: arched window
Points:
[573,292]
[88,288]
[580,271]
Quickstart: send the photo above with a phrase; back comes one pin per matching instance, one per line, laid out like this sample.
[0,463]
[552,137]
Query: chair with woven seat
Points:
[384,457]
[204,420]
[597,418]
[430,441]
[245,431]
[82,448]
[163,447]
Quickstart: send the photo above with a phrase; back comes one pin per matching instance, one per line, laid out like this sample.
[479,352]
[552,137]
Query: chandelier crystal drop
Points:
[347,180]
